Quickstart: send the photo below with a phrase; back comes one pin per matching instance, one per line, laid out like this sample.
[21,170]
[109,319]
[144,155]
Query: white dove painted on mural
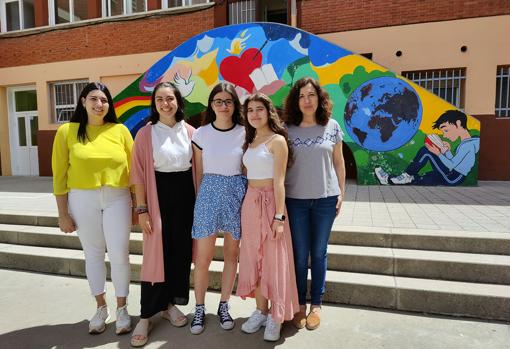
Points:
[184,86]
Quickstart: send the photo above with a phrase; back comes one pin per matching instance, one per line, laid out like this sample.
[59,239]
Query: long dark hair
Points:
[294,116]
[80,113]
[273,120]
[179,114]
[210,115]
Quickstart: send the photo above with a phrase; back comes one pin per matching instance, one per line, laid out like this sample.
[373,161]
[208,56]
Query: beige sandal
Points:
[175,316]
[142,329]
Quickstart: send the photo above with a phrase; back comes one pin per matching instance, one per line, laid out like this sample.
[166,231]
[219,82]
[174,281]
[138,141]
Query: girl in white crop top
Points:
[266,264]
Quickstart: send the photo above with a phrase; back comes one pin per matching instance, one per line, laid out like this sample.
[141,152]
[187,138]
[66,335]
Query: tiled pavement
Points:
[482,208]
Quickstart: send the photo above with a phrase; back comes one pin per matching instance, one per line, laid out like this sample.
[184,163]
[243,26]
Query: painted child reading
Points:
[447,168]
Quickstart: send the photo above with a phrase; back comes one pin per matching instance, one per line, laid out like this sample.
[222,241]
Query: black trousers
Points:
[176,197]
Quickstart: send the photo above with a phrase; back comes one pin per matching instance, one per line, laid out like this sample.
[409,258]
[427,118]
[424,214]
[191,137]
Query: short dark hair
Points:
[294,116]
[80,113]
[210,115]
[451,117]
[179,114]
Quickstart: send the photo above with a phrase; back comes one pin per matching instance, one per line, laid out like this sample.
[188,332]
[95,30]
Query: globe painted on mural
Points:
[383,114]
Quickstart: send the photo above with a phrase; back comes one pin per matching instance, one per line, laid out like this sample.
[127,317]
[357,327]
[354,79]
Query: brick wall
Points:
[150,34]
[326,16]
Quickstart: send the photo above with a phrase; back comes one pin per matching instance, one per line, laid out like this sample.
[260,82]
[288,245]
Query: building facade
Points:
[48,49]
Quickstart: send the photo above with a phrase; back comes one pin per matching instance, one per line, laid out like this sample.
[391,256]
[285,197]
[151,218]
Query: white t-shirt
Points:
[171,147]
[222,150]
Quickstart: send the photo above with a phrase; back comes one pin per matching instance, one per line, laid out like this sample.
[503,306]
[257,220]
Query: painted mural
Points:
[398,132]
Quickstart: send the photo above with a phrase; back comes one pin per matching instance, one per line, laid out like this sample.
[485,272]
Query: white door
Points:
[23,122]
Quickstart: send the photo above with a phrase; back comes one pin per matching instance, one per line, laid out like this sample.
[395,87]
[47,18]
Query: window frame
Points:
[164,3]
[502,71]
[106,8]
[444,76]
[76,95]
[3,16]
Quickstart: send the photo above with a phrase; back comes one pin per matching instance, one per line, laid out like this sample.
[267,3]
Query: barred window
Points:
[64,96]
[242,12]
[449,84]
[503,91]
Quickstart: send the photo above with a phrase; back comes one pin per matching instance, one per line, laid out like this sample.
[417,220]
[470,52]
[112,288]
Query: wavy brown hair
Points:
[292,113]
[274,121]
[210,115]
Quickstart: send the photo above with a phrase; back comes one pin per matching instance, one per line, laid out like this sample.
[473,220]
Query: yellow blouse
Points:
[103,160]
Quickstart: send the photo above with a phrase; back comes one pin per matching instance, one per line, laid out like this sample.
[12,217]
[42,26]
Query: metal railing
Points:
[503,91]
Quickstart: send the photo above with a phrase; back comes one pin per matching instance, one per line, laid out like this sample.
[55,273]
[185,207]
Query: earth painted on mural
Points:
[383,114]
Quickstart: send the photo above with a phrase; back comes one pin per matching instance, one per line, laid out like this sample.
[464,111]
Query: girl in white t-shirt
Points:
[218,151]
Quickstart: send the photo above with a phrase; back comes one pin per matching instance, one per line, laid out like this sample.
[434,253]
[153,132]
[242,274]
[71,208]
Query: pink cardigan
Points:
[142,172]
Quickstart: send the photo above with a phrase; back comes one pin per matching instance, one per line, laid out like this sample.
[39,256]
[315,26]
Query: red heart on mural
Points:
[237,70]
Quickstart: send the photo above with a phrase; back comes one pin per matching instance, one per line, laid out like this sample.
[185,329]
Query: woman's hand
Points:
[66,223]
[145,223]
[277,228]
[339,205]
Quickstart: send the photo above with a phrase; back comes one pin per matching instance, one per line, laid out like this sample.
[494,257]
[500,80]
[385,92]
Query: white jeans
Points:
[103,220]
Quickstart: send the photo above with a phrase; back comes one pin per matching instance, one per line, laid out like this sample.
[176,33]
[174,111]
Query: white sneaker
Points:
[381,175]
[98,322]
[272,332]
[123,323]
[404,178]
[254,322]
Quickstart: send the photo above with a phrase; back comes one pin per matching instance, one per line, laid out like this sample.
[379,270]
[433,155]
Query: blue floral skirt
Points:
[218,206]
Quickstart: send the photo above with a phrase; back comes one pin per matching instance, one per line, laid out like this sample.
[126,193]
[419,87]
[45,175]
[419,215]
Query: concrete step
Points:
[452,266]
[423,239]
[485,301]
[416,239]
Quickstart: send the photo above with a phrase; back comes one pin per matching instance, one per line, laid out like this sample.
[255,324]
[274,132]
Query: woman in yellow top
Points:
[90,162]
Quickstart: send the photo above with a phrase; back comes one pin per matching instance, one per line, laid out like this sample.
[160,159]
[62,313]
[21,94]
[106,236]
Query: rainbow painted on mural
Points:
[398,132]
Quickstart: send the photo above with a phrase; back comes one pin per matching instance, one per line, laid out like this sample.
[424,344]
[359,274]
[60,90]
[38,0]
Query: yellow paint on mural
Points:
[332,73]
[205,67]
[120,110]
[433,107]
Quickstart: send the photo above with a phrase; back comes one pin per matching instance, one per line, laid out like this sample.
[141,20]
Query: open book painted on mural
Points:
[398,132]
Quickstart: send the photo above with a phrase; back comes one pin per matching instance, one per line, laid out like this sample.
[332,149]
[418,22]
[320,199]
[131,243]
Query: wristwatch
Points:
[279,217]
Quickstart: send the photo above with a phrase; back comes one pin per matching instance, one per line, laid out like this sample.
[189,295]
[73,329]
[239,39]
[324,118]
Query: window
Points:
[67,11]
[503,91]
[123,7]
[16,15]
[177,3]
[445,83]
[242,12]
[64,96]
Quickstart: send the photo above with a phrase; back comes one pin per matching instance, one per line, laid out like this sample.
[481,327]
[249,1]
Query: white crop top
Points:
[222,150]
[259,162]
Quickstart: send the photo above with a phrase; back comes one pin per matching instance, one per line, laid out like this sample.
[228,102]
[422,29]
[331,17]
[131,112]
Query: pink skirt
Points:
[264,260]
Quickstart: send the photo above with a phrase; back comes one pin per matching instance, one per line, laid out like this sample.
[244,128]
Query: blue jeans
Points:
[440,174]
[310,224]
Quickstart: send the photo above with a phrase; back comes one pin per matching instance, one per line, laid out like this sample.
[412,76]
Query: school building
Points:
[458,49]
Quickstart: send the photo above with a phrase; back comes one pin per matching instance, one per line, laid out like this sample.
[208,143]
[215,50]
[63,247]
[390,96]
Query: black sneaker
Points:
[198,323]
[226,321]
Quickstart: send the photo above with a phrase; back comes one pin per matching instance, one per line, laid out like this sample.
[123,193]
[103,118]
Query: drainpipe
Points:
[293,13]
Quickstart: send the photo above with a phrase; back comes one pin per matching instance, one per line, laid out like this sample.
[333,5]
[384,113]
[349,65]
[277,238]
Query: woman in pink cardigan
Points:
[163,176]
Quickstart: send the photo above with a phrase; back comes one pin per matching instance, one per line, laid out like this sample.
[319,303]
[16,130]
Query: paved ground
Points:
[47,311]
[482,208]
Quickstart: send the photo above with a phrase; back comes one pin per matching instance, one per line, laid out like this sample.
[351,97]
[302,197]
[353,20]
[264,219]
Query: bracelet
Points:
[141,209]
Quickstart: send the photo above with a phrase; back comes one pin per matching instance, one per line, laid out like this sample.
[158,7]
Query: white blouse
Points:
[171,147]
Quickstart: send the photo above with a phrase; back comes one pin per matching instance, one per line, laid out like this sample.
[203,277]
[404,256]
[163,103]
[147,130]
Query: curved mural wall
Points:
[398,132]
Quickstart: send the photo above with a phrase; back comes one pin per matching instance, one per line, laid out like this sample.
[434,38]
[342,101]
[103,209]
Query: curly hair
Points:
[210,115]
[274,121]
[179,114]
[80,115]
[292,113]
